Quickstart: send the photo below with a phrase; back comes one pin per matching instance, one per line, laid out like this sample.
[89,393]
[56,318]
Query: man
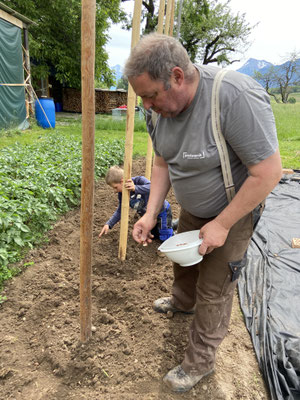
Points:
[186,157]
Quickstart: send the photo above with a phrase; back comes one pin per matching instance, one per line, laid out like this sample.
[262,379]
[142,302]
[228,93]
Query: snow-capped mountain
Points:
[253,65]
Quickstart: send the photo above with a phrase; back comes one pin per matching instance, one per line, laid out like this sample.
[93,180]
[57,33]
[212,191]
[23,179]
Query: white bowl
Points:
[183,248]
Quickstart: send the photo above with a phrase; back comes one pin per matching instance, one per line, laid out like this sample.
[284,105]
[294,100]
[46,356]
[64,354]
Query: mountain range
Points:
[253,65]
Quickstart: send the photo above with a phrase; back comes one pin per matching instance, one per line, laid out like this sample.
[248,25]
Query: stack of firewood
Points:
[105,100]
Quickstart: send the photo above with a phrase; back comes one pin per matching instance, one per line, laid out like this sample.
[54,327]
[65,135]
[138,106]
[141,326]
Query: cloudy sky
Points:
[273,39]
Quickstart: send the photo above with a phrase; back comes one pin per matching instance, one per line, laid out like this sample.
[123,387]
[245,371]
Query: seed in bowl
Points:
[181,244]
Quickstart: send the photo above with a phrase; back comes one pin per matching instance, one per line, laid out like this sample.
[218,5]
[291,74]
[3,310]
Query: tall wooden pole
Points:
[129,138]
[172,18]
[160,29]
[168,17]
[161,14]
[88,147]
[27,69]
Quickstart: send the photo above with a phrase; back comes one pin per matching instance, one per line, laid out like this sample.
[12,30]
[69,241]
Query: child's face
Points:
[117,187]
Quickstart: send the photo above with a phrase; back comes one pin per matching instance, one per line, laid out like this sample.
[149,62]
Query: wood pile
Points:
[105,100]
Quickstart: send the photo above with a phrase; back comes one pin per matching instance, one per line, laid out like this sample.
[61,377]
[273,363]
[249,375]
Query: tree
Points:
[122,83]
[283,77]
[267,80]
[149,16]
[211,33]
[55,42]
[288,75]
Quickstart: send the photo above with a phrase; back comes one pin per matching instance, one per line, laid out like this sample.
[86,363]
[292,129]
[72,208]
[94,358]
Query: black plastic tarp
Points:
[269,290]
[12,98]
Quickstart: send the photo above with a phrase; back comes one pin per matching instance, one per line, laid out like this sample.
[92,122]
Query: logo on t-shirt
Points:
[189,156]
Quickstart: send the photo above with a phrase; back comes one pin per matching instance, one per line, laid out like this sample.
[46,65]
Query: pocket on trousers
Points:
[234,271]
[236,267]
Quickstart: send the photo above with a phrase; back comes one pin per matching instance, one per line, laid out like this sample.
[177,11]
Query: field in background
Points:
[287,118]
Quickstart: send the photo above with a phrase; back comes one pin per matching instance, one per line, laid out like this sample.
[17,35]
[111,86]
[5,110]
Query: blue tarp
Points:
[269,290]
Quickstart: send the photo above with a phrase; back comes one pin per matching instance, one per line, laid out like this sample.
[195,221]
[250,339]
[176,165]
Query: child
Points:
[139,187]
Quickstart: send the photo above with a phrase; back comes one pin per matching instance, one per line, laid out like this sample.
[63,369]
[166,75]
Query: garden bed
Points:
[132,347]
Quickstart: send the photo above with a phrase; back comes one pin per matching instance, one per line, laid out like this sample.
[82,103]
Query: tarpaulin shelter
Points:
[269,290]
[12,84]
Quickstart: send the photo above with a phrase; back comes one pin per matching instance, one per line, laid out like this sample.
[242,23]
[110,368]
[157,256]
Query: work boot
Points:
[164,305]
[179,381]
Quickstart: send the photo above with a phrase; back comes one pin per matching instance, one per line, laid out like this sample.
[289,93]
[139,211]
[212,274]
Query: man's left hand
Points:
[214,235]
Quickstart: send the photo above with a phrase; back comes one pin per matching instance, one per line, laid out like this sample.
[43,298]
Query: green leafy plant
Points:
[39,182]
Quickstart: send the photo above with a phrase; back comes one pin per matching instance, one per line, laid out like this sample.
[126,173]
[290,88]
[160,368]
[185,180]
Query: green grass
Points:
[287,118]
[70,126]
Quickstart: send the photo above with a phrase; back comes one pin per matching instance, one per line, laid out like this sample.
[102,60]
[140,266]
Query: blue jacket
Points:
[141,193]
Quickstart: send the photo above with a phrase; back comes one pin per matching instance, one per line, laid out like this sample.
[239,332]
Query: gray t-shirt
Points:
[187,144]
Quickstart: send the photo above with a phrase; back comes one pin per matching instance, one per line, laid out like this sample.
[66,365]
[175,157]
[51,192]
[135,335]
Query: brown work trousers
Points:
[209,286]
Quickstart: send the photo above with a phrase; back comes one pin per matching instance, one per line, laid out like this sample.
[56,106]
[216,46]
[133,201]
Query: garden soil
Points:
[131,348]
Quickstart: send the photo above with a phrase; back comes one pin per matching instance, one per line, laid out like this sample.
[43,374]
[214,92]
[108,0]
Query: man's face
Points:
[155,96]
[117,187]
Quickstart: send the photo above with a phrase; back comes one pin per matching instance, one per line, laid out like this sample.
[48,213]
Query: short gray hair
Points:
[157,55]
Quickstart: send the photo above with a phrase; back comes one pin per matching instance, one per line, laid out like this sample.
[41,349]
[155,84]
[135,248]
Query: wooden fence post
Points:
[160,29]
[88,147]
[129,138]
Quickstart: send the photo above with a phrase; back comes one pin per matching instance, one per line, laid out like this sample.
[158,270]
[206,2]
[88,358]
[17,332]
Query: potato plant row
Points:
[38,183]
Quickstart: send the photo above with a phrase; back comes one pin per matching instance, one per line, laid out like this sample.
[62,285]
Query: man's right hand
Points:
[142,229]
[104,231]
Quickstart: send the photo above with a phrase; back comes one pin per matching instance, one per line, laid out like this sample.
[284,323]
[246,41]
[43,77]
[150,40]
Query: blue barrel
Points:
[58,107]
[45,105]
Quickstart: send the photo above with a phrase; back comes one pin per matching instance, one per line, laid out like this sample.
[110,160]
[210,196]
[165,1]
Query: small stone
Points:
[166,333]
[170,314]
[204,387]
[93,329]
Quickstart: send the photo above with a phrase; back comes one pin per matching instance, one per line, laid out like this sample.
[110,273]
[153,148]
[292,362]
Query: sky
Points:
[273,39]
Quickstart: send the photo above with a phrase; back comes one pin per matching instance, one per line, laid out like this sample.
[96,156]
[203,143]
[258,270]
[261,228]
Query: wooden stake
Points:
[160,28]
[149,158]
[172,18]
[88,147]
[129,138]
[168,17]
[161,13]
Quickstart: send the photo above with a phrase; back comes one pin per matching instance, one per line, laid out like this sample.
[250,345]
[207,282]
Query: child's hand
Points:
[129,185]
[104,231]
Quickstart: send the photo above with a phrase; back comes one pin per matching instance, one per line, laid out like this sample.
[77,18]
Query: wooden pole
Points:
[88,147]
[161,13]
[160,28]
[27,69]
[149,158]
[168,17]
[129,138]
[172,18]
